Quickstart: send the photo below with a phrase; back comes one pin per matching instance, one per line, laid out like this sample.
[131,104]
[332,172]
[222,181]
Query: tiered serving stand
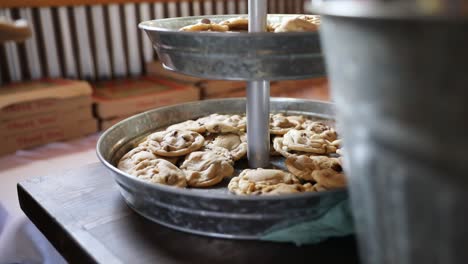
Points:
[256,57]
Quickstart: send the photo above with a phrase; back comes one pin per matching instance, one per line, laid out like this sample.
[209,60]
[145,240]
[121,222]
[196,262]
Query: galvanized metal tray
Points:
[235,56]
[213,211]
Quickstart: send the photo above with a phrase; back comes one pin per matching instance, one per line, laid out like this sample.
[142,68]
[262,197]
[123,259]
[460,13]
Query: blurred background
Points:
[99,42]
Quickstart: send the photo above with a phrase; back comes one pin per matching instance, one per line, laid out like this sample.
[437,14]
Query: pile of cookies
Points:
[303,23]
[201,153]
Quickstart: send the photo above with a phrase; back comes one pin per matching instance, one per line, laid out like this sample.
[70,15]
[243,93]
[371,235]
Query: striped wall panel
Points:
[101,41]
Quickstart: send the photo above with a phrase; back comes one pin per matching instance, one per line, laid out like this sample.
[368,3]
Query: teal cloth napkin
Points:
[334,222]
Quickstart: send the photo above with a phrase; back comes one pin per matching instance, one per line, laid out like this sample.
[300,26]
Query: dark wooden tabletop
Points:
[84,216]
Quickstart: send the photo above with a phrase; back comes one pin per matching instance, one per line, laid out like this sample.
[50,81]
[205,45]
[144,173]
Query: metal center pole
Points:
[258,99]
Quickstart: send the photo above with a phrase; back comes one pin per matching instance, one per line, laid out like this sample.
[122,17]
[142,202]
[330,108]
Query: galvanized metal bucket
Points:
[399,77]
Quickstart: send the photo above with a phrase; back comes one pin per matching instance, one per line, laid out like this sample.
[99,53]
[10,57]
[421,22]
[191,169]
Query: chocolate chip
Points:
[205,21]
[172,179]
[337,167]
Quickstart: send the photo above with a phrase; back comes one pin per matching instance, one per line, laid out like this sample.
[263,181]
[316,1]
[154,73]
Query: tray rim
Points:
[144,26]
[265,60]
[187,192]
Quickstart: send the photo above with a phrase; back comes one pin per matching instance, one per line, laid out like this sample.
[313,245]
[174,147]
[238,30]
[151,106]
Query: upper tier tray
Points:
[236,56]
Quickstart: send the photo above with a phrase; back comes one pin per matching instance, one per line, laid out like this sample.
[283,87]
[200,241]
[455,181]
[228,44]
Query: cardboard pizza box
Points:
[40,96]
[155,68]
[308,89]
[241,91]
[126,97]
[316,88]
[43,120]
[210,89]
[38,137]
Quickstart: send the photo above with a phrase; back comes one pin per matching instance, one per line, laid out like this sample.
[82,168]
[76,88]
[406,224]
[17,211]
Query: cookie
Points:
[324,170]
[217,123]
[310,18]
[133,157]
[272,27]
[235,144]
[283,150]
[266,181]
[323,130]
[174,143]
[336,143]
[299,24]
[315,126]
[273,151]
[190,125]
[279,147]
[281,124]
[329,135]
[282,188]
[138,154]
[205,27]
[237,24]
[307,141]
[318,188]
[339,151]
[221,152]
[159,171]
[205,168]
[242,24]
[298,118]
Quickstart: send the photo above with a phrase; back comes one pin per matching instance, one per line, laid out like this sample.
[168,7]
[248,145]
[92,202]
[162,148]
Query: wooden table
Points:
[83,215]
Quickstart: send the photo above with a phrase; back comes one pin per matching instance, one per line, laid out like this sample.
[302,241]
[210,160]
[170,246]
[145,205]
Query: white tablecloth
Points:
[20,241]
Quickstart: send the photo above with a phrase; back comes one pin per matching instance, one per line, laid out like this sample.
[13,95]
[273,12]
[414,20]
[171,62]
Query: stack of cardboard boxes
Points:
[116,100]
[208,89]
[310,89]
[38,112]
[316,88]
